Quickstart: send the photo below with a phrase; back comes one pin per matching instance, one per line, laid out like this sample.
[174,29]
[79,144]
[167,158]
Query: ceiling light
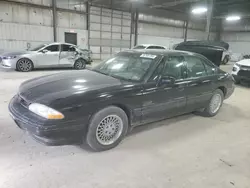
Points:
[233,18]
[199,10]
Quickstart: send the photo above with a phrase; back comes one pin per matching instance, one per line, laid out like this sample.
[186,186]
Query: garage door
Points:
[109,32]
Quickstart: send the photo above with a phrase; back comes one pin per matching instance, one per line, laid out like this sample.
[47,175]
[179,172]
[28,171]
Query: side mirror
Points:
[167,80]
[44,51]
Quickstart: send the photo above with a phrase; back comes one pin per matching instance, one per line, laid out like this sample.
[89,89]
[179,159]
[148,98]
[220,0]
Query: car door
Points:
[67,55]
[164,100]
[200,80]
[48,56]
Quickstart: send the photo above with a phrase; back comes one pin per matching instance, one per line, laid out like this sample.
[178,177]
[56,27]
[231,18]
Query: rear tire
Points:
[214,104]
[225,60]
[107,128]
[24,65]
[80,64]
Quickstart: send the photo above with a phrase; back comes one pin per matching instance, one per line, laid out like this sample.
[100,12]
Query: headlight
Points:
[238,65]
[9,57]
[45,111]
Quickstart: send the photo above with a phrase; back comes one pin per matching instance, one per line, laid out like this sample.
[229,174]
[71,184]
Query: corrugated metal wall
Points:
[237,34]
[239,41]
[22,25]
[109,31]
[72,22]
[166,32]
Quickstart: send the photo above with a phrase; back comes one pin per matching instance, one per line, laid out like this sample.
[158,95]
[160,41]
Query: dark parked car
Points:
[132,88]
[216,51]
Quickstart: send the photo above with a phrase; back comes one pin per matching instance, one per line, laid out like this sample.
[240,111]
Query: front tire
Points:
[24,65]
[214,105]
[80,64]
[107,128]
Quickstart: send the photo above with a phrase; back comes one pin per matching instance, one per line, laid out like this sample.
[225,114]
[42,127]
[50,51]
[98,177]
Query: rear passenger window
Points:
[174,67]
[210,70]
[195,67]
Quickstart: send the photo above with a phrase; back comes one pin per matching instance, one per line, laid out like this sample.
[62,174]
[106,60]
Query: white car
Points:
[46,56]
[149,46]
[241,70]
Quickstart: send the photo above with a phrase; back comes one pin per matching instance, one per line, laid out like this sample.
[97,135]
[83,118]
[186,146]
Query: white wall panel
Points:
[106,35]
[71,20]
[113,34]
[239,41]
[82,36]
[164,41]
[95,49]
[39,2]
[20,14]
[5,12]
[160,30]
[106,27]
[71,5]
[196,34]
[117,29]
[15,36]
[95,26]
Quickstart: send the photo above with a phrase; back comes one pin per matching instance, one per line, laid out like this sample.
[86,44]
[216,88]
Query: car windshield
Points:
[128,66]
[140,47]
[37,47]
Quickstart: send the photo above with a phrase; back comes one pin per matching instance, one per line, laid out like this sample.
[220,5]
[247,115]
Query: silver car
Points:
[47,56]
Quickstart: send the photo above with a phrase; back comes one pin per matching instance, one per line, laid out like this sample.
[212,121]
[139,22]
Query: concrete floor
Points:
[188,151]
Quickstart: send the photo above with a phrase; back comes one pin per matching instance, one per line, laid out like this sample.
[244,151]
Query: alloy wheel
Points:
[215,103]
[24,65]
[109,130]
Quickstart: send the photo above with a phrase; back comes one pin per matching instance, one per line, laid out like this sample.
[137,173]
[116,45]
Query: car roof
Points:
[159,52]
[147,45]
[59,43]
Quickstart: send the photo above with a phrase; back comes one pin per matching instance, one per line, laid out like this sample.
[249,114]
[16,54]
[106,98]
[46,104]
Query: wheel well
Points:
[126,110]
[223,89]
[25,58]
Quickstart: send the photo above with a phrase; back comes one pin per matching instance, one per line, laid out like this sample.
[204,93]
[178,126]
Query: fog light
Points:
[234,69]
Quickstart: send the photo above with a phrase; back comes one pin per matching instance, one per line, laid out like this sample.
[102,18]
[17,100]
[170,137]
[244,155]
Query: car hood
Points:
[48,88]
[244,62]
[17,53]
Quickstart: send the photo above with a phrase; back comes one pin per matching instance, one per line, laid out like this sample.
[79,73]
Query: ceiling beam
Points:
[172,3]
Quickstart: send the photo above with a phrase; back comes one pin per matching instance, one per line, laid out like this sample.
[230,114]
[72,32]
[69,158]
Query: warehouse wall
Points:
[109,31]
[167,32]
[237,34]
[21,26]
[72,22]
[239,41]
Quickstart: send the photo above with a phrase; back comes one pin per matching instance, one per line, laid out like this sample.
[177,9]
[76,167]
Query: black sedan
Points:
[99,106]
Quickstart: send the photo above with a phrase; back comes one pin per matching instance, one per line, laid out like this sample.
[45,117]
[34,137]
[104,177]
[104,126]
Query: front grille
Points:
[23,102]
[245,67]
[244,73]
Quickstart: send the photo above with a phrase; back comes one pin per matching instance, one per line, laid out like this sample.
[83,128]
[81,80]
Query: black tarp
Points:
[210,49]
[219,44]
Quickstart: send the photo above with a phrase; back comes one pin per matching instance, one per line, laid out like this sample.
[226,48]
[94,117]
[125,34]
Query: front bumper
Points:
[240,73]
[8,63]
[56,132]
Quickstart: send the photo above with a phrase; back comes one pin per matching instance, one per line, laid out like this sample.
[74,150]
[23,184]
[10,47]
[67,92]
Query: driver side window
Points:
[52,48]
